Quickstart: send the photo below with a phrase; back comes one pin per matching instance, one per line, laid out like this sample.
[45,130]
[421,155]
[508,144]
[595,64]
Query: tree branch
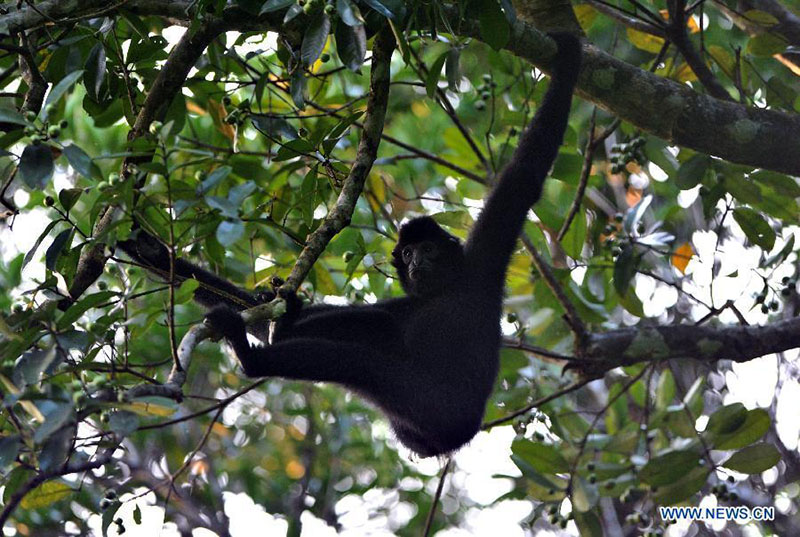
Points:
[339,217]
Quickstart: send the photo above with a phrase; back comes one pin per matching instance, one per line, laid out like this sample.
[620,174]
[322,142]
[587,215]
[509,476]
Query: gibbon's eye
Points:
[408,251]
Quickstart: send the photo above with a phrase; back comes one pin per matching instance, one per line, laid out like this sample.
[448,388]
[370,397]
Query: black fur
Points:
[428,360]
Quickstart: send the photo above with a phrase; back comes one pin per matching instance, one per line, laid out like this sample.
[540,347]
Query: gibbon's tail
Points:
[148,252]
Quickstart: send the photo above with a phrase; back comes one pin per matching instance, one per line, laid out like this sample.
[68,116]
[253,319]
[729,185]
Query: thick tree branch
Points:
[739,343]
[672,111]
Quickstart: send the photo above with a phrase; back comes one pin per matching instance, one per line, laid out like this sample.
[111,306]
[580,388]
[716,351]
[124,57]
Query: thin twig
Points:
[436,497]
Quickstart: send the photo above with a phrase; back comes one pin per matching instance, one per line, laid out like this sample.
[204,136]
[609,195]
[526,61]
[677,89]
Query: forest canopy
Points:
[650,319]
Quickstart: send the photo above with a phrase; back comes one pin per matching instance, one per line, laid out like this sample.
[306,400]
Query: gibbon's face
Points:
[428,260]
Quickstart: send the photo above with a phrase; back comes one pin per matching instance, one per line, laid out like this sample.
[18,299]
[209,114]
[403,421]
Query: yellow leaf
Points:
[684,73]
[377,187]
[144,408]
[682,256]
[324,281]
[29,407]
[194,108]
[760,17]
[723,58]
[633,196]
[691,22]
[585,14]
[643,41]
[295,470]
[220,430]
[45,494]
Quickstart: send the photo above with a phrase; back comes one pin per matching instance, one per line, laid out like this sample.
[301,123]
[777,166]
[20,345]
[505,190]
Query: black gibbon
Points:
[429,359]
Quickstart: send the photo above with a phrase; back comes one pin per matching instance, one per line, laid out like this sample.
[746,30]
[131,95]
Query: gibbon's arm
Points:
[493,237]
[213,290]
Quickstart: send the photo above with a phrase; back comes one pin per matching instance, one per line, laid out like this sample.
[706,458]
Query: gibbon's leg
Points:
[305,358]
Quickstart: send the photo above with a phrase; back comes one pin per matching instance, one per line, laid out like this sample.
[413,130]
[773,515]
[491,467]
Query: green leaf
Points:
[635,214]
[742,189]
[10,115]
[688,485]
[349,13]
[351,45]
[214,178]
[274,128]
[584,496]
[45,494]
[276,5]
[95,72]
[39,240]
[81,306]
[230,232]
[56,415]
[589,524]
[381,8]
[314,39]
[755,227]
[297,88]
[68,197]
[780,183]
[434,73]
[451,68]
[137,515]
[755,425]
[9,447]
[494,28]
[760,17]
[575,237]
[624,269]
[543,457]
[36,166]
[753,459]
[82,162]
[123,422]
[186,291]
[33,363]
[665,390]
[692,171]
[669,467]
[766,44]
[61,241]
[63,85]
[727,419]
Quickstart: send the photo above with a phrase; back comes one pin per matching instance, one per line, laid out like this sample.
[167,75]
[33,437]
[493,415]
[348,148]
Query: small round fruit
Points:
[30,115]
[480,105]
[325,57]
[200,175]
[329,9]
[50,109]
[511,317]
[49,201]
[348,256]
[36,139]
[486,95]
[155,127]
[226,101]
[53,132]
[63,124]
[102,286]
